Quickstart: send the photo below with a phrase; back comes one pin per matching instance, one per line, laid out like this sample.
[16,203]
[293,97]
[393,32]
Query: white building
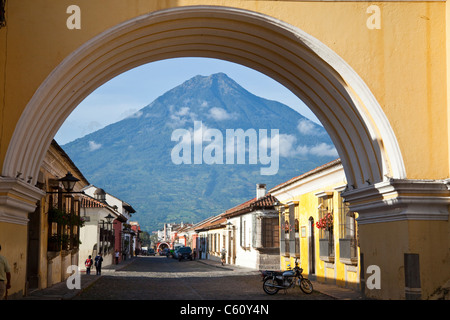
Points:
[211,237]
[249,233]
[100,235]
[97,235]
[252,232]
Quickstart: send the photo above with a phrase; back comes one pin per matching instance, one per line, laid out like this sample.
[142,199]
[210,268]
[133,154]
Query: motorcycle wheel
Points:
[268,286]
[306,286]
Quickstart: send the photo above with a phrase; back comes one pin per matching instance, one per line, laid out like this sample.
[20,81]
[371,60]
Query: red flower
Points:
[325,222]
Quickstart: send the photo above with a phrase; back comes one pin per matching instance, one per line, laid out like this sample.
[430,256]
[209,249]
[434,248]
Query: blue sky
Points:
[135,89]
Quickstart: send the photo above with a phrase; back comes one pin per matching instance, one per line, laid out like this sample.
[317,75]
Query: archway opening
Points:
[332,90]
[136,144]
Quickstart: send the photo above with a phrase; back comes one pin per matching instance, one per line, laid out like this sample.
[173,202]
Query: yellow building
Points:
[53,242]
[317,227]
[376,74]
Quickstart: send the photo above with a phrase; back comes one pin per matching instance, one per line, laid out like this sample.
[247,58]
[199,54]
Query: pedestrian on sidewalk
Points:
[5,277]
[117,256]
[223,253]
[98,264]
[88,264]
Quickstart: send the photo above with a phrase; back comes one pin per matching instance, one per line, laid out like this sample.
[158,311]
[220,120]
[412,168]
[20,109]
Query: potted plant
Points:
[326,242]
[326,223]
[54,243]
[58,216]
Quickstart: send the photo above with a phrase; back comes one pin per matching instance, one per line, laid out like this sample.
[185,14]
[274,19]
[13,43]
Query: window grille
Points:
[347,224]
[270,233]
[326,236]
[347,232]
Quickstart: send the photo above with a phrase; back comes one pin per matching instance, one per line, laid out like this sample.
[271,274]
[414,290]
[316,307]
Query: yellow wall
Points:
[386,243]
[403,63]
[306,208]
[16,253]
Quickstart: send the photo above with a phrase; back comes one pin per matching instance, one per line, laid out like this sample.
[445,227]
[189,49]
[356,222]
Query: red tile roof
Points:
[89,202]
[215,222]
[265,202]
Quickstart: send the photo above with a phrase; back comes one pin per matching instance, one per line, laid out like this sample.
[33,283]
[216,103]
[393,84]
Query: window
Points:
[63,221]
[289,231]
[270,233]
[243,233]
[326,221]
[284,232]
[347,224]
[325,224]
[347,234]
[297,238]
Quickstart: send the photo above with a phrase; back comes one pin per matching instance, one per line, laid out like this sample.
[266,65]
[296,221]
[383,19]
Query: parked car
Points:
[184,253]
[151,252]
[174,251]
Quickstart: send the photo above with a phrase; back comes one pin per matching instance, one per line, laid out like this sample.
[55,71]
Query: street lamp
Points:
[109,218]
[69,182]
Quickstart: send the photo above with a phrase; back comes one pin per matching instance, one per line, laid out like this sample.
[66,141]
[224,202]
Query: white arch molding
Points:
[330,87]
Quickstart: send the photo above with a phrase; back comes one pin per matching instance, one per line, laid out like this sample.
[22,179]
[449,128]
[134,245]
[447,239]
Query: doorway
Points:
[33,249]
[311,248]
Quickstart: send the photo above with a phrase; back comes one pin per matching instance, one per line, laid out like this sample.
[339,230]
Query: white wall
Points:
[89,236]
[245,257]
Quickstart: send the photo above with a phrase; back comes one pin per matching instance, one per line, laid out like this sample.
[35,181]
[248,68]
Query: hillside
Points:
[133,159]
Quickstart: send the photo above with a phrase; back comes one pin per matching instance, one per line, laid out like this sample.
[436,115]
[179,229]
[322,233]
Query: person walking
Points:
[5,277]
[223,253]
[117,256]
[88,264]
[98,264]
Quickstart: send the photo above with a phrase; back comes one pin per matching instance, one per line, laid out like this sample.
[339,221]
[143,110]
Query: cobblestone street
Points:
[161,278]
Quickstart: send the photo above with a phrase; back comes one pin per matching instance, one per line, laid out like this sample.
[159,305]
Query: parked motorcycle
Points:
[273,281]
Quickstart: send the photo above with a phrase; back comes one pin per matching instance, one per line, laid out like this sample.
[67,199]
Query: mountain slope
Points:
[132,159]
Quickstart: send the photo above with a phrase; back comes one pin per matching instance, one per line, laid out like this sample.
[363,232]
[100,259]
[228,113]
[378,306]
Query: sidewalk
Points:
[334,291]
[60,291]
[231,267]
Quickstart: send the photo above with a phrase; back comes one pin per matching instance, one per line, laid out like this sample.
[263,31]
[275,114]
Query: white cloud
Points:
[220,114]
[204,104]
[287,146]
[178,118]
[182,112]
[286,143]
[306,127]
[324,149]
[131,113]
[94,146]
[91,127]
[137,114]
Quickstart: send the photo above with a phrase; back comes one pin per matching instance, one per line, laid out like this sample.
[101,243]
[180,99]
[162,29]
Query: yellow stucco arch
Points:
[385,139]
[330,87]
